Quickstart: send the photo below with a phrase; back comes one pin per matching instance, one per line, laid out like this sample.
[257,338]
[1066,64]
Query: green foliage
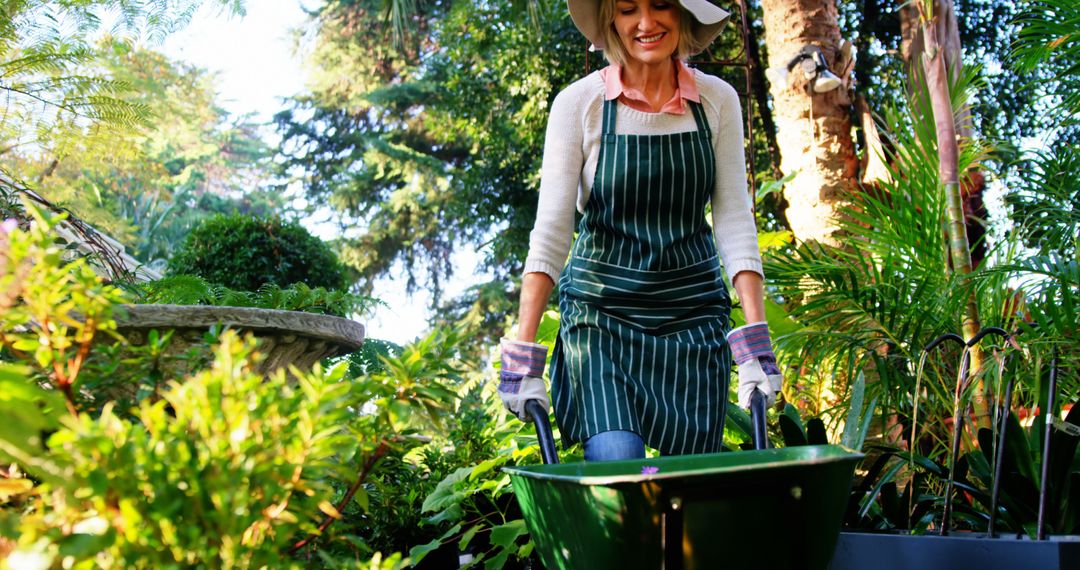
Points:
[869,305]
[1049,302]
[145,182]
[251,480]
[906,490]
[371,357]
[435,145]
[50,92]
[51,100]
[147,187]
[1046,203]
[794,431]
[1049,39]
[442,494]
[412,393]
[56,324]
[51,309]
[877,503]
[477,499]
[857,426]
[257,474]
[194,290]
[1013,106]
[273,463]
[30,411]
[246,253]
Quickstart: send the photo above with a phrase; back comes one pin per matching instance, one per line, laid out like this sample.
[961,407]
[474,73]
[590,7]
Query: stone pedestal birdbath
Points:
[285,337]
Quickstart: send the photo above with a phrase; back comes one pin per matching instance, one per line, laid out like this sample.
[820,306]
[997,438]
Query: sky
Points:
[256,67]
[253,55]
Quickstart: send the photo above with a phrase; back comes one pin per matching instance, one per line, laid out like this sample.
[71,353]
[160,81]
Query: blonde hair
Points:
[615,52]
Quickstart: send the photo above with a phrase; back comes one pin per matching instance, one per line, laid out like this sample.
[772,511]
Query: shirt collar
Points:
[687,88]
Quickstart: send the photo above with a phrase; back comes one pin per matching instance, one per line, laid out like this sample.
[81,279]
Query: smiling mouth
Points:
[651,39]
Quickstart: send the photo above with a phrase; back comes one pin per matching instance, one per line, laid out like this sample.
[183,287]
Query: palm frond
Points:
[1048,31]
[872,303]
[1046,203]
[1048,298]
[1050,35]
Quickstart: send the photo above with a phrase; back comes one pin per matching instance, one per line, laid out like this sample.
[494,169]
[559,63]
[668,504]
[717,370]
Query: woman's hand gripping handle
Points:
[521,377]
[753,353]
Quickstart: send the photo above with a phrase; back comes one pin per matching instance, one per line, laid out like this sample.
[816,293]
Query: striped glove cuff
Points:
[751,341]
[521,358]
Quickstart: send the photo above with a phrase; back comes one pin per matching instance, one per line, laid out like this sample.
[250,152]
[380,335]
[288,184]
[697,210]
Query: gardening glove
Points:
[752,351]
[520,378]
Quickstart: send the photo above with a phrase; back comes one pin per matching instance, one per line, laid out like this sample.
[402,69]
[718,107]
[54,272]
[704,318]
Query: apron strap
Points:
[609,117]
[699,118]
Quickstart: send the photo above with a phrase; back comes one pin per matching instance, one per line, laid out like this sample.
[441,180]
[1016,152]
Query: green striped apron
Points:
[644,307]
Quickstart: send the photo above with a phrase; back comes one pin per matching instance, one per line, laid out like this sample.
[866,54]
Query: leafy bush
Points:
[226,466]
[246,253]
[50,310]
[439,492]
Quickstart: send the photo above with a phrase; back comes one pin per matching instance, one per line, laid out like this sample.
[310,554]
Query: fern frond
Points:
[194,290]
[176,290]
[48,59]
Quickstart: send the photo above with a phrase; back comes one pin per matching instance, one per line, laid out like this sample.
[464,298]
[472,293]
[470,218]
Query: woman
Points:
[641,147]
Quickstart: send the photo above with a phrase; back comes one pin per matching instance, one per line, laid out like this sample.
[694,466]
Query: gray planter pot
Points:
[285,337]
[856,550]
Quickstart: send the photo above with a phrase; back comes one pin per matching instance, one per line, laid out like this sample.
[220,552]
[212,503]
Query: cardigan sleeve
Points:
[560,176]
[732,212]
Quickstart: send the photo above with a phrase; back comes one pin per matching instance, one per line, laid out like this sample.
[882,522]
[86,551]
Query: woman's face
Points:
[649,29]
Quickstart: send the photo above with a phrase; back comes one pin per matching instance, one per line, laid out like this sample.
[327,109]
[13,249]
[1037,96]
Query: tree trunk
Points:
[937,73]
[813,129]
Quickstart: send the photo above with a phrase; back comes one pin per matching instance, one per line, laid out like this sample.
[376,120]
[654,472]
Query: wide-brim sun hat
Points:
[709,21]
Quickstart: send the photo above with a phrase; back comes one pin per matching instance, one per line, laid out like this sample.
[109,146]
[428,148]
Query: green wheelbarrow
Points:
[767,508]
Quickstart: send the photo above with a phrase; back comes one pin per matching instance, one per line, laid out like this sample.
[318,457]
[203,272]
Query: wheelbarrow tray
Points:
[776,508]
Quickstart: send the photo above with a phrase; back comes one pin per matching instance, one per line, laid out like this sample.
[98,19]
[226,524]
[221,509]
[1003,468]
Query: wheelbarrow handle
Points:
[539,415]
[757,420]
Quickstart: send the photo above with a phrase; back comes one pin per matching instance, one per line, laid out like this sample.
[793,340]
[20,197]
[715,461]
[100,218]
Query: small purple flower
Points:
[649,470]
[7,226]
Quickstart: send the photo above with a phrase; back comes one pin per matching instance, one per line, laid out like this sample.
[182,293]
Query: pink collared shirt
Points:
[685,88]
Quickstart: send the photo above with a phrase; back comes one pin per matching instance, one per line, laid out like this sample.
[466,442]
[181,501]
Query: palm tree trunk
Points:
[813,129]
[912,45]
[937,81]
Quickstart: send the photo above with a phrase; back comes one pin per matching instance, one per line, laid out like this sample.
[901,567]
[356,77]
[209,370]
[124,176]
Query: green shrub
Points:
[245,253]
[227,466]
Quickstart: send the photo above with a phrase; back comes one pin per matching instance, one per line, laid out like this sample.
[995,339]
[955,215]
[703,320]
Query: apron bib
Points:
[645,311]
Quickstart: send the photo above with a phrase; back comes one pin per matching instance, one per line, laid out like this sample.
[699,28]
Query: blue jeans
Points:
[613,445]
